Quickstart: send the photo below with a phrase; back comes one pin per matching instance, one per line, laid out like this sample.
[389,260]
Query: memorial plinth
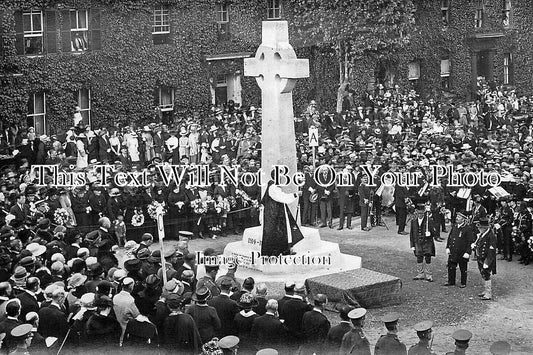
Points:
[317,257]
[361,287]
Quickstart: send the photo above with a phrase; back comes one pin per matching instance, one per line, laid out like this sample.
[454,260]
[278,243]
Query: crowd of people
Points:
[59,244]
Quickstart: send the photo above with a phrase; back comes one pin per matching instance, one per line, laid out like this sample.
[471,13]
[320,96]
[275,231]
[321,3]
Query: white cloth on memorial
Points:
[278,195]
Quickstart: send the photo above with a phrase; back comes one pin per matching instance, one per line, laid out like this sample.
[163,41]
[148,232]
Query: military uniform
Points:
[422,348]
[390,344]
[355,342]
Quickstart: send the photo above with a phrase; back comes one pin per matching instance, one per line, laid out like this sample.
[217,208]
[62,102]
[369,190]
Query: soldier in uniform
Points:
[389,344]
[422,236]
[485,247]
[423,330]
[355,342]
[459,248]
[23,336]
[462,337]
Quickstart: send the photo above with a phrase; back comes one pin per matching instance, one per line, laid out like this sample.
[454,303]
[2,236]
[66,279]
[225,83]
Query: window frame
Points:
[479,14]
[445,12]
[162,16]
[41,114]
[222,9]
[445,76]
[507,13]
[33,34]
[272,9]
[416,63]
[77,29]
[507,68]
[170,107]
[88,109]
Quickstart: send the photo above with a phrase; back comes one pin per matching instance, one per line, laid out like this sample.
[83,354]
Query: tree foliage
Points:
[355,28]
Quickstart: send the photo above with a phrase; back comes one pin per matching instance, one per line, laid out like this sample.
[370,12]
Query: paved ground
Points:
[508,317]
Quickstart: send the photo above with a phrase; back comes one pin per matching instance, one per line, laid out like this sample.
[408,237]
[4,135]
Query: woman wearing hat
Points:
[82,156]
[242,323]
[183,143]
[204,316]
[149,150]
[132,143]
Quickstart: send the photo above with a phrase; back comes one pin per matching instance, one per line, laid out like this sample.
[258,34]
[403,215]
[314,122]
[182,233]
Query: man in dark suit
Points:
[10,322]
[261,292]
[53,320]
[315,326]
[400,196]
[458,248]
[103,146]
[293,312]
[364,201]
[325,196]
[226,309]
[28,299]
[347,197]
[309,198]
[20,209]
[289,293]
[267,329]
[336,333]
[125,159]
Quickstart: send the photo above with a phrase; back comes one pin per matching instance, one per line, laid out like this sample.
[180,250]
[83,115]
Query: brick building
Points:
[125,61]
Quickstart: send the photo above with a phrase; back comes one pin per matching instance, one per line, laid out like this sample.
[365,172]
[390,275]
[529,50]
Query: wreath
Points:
[138,218]
[156,208]
[61,216]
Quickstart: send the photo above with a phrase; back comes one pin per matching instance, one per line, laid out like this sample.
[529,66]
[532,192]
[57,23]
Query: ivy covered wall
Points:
[122,75]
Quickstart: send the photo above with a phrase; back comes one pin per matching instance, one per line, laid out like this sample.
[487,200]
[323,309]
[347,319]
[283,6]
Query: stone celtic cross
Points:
[276,68]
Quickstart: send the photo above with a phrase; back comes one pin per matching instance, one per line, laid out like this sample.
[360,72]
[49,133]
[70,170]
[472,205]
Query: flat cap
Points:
[357,313]
[289,285]
[462,335]
[500,348]
[228,342]
[391,317]
[423,326]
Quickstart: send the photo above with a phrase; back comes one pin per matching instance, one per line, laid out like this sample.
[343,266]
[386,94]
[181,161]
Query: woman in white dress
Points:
[81,146]
[65,202]
[149,144]
[133,147]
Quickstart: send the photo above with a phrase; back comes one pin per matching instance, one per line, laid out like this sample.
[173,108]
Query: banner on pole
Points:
[313,136]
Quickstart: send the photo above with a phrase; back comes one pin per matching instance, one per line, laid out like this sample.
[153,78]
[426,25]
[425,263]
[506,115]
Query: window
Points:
[166,98]
[445,12]
[414,70]
[507,69]
[274,9]
[221,90]
[32,22]
[445,74]
[84,102]
[35,32]
[161,25]
[479,14]
[507,13]
[223,22]
[37,112]
[79,30]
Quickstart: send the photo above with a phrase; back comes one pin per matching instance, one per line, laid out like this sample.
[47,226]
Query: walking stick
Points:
[63,343]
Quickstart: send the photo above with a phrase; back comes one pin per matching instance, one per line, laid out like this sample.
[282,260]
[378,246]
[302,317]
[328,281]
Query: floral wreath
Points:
[138,218]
